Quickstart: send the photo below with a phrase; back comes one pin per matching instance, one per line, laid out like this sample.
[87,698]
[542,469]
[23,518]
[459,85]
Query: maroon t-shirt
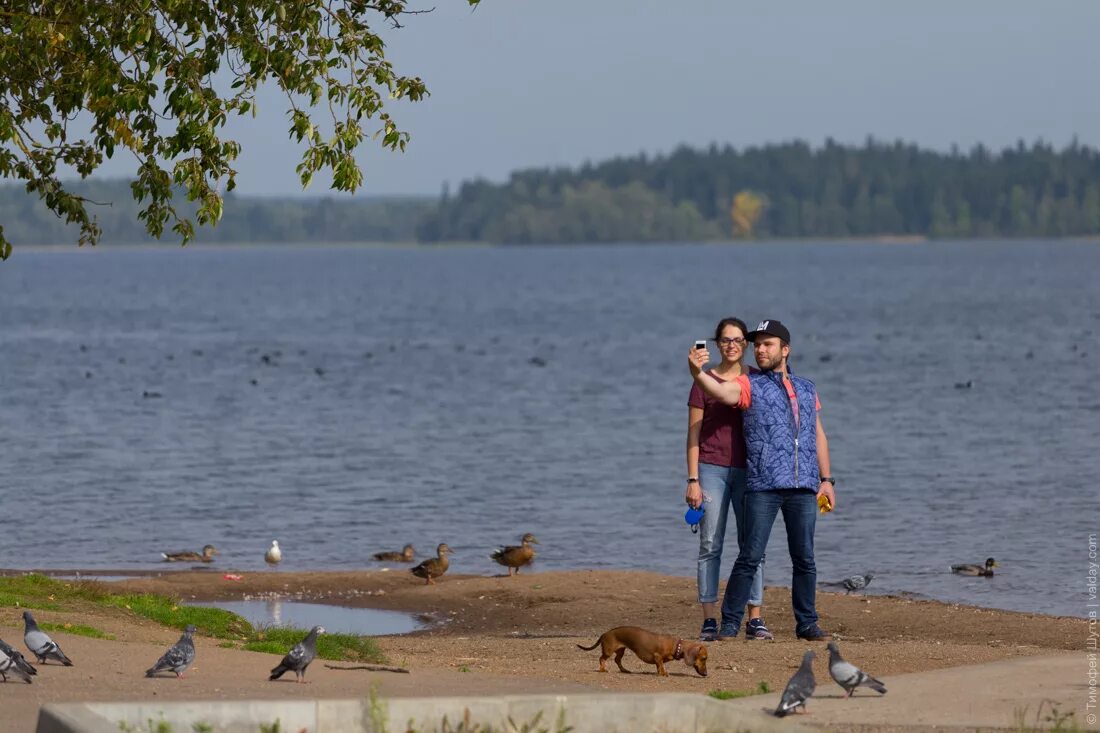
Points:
[721,440]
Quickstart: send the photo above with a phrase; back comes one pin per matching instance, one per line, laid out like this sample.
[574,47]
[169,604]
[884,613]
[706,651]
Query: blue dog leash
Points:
[693,517]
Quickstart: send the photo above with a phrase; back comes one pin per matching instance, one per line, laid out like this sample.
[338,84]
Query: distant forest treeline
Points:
[776,191]
[788,190]
[246,219]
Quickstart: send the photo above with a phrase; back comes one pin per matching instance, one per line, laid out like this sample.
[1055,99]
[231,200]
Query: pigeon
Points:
[274,555]
[986,571]
[848,675]
[178,657]
[17,657]
[40,643]
[10,666]
[800,687]
[856,582]
[298,658]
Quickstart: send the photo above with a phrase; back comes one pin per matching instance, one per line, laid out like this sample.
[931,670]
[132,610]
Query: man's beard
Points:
[766,366]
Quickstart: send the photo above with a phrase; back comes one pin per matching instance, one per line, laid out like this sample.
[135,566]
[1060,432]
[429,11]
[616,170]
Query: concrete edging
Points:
[611,713]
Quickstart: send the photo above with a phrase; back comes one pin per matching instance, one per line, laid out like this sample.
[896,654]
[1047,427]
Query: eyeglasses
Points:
[731,342]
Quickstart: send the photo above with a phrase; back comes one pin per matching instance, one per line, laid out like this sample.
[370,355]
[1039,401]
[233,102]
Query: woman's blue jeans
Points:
[723,487]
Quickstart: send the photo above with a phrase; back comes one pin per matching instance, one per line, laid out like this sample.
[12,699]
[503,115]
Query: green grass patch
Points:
[338,647]
[11,600]
[169,611]
[78,629]
[40,592]
[761,688]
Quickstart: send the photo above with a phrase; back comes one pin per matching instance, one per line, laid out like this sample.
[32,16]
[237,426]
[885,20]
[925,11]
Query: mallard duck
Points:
[208,552]
[985,571]
[515,557]
[274,555]
[433,567]
[406,555]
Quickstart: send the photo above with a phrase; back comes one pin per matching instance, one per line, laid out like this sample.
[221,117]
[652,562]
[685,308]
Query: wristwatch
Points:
[693,480]
[830,479]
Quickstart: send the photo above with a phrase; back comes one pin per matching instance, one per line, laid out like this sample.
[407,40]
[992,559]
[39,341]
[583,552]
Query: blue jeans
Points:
[722,487]
[799,507]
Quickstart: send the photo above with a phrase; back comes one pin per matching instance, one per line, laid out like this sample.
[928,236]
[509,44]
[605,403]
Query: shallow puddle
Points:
[335,619]
[99,578]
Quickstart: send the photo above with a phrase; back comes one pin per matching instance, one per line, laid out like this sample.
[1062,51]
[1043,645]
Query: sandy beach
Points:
[500,635]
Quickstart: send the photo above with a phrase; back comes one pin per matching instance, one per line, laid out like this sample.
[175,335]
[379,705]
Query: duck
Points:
[986,571]
[406,555]
[515,557]
[274,555]
[433,567]
[207,555]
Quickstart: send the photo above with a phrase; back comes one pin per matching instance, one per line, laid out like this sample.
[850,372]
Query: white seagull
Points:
[274,555]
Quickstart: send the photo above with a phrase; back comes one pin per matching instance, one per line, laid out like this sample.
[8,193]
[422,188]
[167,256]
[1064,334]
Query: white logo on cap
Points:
[763,326]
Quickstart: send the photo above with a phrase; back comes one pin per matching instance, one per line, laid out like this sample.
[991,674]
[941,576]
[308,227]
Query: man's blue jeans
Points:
[723,487]
[799,507]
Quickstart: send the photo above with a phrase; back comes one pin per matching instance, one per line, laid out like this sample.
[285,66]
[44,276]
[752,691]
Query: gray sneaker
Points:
[710,630]
[755,629]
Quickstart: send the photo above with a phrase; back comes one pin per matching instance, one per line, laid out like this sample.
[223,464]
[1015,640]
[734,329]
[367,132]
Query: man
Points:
[788,469]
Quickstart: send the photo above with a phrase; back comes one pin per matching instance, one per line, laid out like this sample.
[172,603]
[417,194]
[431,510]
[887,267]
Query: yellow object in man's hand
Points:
[823,504]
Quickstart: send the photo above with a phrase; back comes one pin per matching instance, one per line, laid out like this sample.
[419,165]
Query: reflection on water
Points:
[335,619]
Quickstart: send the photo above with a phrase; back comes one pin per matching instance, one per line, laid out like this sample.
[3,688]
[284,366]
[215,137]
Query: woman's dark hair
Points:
[731,321]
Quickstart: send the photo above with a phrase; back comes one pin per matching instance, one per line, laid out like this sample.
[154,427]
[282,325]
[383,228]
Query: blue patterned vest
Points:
[778,456]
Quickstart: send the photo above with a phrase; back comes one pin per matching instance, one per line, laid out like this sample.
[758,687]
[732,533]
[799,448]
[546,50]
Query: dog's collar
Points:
[679,653]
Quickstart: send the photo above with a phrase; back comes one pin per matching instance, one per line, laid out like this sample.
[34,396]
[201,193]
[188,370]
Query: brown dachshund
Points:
[650,648]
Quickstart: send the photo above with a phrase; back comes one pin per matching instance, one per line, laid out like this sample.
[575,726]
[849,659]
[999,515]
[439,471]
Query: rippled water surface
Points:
[349,400]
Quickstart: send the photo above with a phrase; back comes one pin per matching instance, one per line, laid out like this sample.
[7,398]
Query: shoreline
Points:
[501,635]
[113,577]
[892,240]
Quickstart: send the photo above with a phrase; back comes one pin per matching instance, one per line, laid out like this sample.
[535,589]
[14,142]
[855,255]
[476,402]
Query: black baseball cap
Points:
[770,328]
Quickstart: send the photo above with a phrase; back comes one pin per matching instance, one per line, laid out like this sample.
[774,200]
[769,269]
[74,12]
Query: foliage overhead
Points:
[158,79]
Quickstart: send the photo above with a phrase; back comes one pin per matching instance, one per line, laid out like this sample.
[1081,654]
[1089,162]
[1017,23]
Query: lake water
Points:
[349,400]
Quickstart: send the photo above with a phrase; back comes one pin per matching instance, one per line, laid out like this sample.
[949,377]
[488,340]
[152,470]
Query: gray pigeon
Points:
[8,666]
[800,687]
[17,657]
[40,643]
[178,657]
[298,658]
[848,675]
[857,582]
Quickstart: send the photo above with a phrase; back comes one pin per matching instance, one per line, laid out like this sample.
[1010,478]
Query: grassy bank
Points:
[38,592]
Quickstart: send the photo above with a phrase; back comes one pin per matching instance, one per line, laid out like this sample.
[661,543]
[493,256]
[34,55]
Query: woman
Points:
[716,480]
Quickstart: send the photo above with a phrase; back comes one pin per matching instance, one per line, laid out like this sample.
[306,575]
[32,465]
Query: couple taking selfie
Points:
[755,444]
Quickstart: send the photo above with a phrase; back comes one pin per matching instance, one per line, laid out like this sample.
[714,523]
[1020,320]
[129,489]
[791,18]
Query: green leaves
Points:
[152,76]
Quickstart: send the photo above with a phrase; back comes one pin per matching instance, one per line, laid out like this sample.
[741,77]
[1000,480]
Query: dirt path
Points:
[508,635]
[1010,694]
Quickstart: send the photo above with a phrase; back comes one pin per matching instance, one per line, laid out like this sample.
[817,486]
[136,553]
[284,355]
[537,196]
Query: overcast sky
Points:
[521,83]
